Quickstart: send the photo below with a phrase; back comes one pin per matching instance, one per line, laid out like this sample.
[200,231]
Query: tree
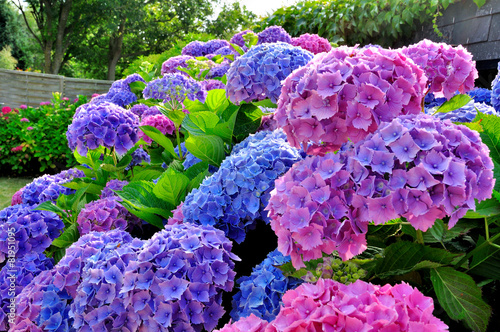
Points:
[233,18]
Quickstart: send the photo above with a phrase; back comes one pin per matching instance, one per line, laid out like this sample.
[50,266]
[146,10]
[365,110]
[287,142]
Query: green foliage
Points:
[43,148]
[232,18]
[454,103]
[353,22]
[7,61]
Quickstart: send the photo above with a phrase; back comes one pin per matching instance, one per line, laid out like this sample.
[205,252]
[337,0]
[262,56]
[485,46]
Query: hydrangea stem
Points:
[420,236]
[177,130]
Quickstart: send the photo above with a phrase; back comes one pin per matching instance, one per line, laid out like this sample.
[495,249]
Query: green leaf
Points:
[208,148]
[112,169]
[70,236]
[247,121]
[197,180]
[216,100]
[172,187]
[200,123]
[137,86]
[149,217]
[486,261]
[487,208]
[238,49]
[194,106]
[49,206]
[147,174]
[159,138]
[460,297]
[454,103]
[479,3]
[176,116]
[402,257]
[196,169]
[125,161]
[265,103]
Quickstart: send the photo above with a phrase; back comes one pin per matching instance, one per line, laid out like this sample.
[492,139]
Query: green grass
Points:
[8,187]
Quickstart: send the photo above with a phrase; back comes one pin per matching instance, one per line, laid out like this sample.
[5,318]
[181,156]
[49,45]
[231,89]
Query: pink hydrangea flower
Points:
[6,109]
[447,68]
[24,120]
[345,94]
[160,122]
[16,198]
[29,128]
[251,323]
[23,107]
[17,148]
[312,42]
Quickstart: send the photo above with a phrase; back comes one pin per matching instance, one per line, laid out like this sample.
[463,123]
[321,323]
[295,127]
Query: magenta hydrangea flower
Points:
[359,306]
[104,215]
[312,42]
[447,68]
[160,122]
[17,197]
[345,94]
[416,167]
[257,74]
[172,64]
[274,34]
[104,124]
[251,323]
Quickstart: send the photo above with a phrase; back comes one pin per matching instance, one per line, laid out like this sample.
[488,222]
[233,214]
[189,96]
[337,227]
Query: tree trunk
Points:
[115,50]
[61,45]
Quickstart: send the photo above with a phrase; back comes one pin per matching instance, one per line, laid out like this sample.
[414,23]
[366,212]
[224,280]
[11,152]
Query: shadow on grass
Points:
[8,187]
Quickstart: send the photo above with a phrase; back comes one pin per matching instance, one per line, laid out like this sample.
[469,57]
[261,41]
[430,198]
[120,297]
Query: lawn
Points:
[8,187]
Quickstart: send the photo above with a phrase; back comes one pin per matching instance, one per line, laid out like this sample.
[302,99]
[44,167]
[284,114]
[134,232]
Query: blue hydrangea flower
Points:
[257,74]
[480,95]
[139,109]
[19,274]
[173,281]
[195,49]
[104,124]
[48,297]
[175,86]
[120,93]
[238,38]
[467,113]
[431,101]
[218,71]
[33,232]
[234,197]
[227,50]
[111,186]
[274,34]
[49,187]
[212,46]
[495,91]
[138,156]
[261,292]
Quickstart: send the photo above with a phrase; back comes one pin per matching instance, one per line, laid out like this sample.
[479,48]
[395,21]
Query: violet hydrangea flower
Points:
[345,94]
[466,113]
[234,197]
[257,74]
[416,167]
[175,87]
[212,46]
[312,42]
[261,292]
[172,64]
[447,68]
[104,124]
[218,71]
[33,231]
[139,109]
[111,186]
[238,38]
[320,306]
[195,49]
[209,84]
[120,93]
[274,34]
[153,110]
[495,91]
[160,122]
[138,157]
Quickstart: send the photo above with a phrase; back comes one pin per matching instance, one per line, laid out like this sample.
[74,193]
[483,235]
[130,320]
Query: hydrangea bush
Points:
[312,42]
[345,94]
[174,87]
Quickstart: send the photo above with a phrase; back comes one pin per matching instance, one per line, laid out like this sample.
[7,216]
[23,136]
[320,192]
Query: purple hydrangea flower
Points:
[261,292]
[218,71]
[345,94]
[416,166]
[195,49]
[17,197]
[27,230]
[274,34]
[153,110]
[257,74]
[233,198]
[111,186]
[175,86]
[120,93]
[227,50]
[480,95]
[212,46]
[18,275]
[138,157]
[139,109]
[48,297]
[495,91]
[316,307]
[49,187]
[171,65]
[447,68]
[160,122]
[105,214]
[104,124]
[212,85]
[238,38]
[312,42]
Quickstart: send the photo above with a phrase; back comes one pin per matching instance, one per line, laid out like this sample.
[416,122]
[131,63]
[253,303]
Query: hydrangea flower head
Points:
[466,113]
[139,109]
[49,187]
[54,290]
[447,68]
[172,64]
[416,166]
[480,95]
[251,323]
[312,42]
[234,197]
[138,156]
[257,74]
[345,94]
[212,46]
[17,197]
[212,85]
[111,186]
[261,292]
[120,93]
[160,122]
[274,34]
[495,91]
[175,87]
[195,49]
[431,101]
[316,307]
[218,71]
[238,38]
[105,214]
[226,50]
[104,124]
[20,274]
[34,230]
[153,110]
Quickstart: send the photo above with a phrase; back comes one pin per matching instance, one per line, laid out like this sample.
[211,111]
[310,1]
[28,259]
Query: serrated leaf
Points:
[49,206]
[159,138]
[197,180]
[196,169]
[487,208]
[126,158]
[194,106]
[112,169]
[454,103]
[496,195]
[486,261]
[237,48]
[149,217]
[172,187]
[216,100]
[137,86]
[70,236]
[247,121]
[208,148]
[147,174]
[200,123]
[460,297]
